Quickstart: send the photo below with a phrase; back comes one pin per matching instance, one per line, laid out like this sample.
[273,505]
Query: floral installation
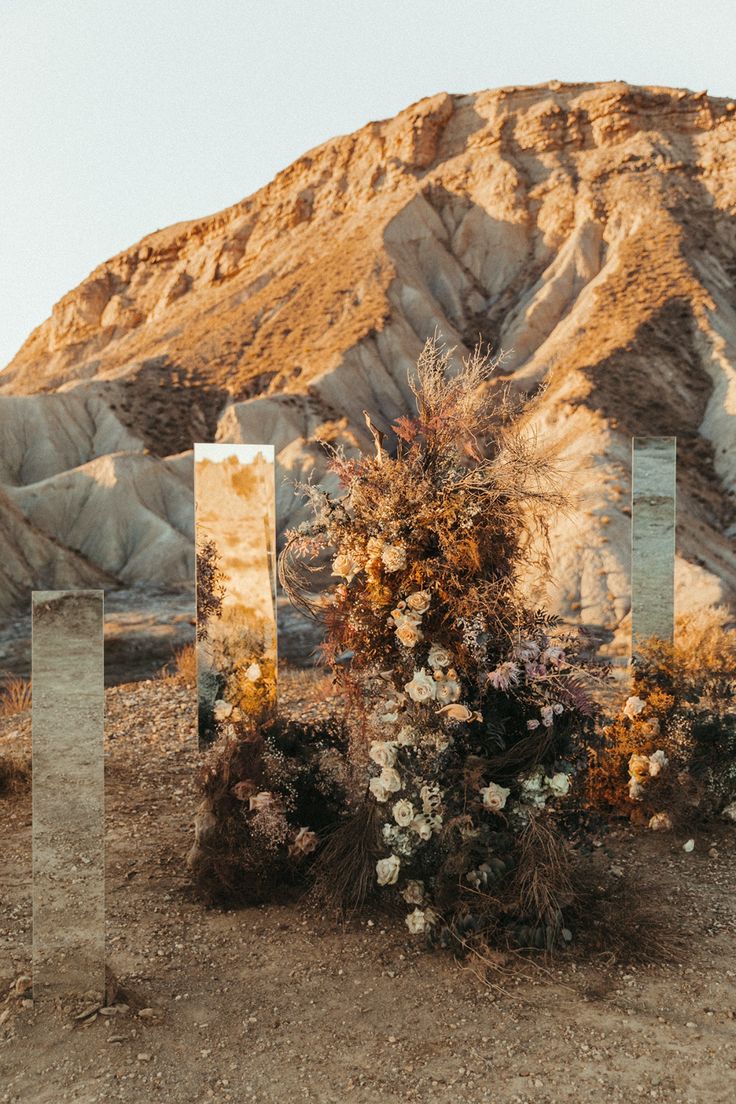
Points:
[669,756]
[470,714]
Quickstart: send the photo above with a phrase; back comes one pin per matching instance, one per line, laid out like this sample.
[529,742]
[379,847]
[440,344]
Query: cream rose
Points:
[413,892]
[439,657]
[448,691]
[639,766]
[633,707]
[558,784]
[391,779]
[403,812]
[416,922]
[222,710]
[422,687]
[346,567]
[494,797]
[383,753]
[393,557]
[253,673]
[387,870]
[408,634]
[419,601]
[379,789]
[657,762]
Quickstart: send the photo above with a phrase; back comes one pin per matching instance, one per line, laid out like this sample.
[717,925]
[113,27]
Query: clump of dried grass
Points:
[344,874]
[182,667]
[15,696]
[15,773]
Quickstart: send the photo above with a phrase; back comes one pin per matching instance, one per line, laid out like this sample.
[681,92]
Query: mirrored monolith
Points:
[653,519]
[68,793]
[235,533]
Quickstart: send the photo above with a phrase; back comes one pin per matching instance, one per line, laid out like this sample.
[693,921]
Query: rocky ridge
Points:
[589,230]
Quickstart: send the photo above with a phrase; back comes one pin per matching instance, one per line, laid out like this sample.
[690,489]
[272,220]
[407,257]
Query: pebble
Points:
[144,1057]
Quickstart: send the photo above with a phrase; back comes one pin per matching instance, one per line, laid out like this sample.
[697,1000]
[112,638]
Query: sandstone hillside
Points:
[589,230]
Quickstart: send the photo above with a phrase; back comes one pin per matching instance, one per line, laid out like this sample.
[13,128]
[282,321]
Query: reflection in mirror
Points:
[234,491]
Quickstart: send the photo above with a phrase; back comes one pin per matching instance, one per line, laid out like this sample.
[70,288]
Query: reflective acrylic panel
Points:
[235,533]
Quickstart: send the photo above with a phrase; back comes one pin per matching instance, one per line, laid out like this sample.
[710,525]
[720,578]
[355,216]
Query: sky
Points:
[120,117]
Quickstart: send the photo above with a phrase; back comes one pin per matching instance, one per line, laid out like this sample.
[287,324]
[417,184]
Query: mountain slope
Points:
[590,230]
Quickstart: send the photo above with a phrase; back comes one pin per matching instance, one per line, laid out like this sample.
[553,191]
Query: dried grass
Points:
[15,697]
[182,668]
[344,875]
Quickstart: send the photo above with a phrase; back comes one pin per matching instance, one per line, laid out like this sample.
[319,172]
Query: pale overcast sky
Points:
[118,117]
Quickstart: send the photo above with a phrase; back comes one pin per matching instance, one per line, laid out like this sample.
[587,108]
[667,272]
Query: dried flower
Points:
[405,736]
[430,797]
[419,601]
[439,657]
[421,826]
[253,673]
[222,710]
[391,779]
[448,691]
[408,634]
[553,657]
[532,724]
[639,767]
[457,712]
[413,892]
[305,842]
[379,789]
[383,753]
[345,566]
[657,762]
[421,688]
[633,707]
[494,797]
[526,651]
[504,676]
[416,922]
[403,811]
[243,790]
[260,801]
[387,870]
[558,784]
[393,557]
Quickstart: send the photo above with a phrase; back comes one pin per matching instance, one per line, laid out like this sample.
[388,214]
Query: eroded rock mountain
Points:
[588,230]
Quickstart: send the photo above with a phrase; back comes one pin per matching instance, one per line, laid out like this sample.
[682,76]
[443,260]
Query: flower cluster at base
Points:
[472,717]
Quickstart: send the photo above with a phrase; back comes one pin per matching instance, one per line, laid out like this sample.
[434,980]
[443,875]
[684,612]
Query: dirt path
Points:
[279,1005]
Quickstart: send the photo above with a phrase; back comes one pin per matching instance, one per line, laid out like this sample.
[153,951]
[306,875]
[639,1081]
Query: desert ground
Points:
[284,1003]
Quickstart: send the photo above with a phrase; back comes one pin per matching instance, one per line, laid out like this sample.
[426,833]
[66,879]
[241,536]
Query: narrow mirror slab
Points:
[68,793]
[235,532]
[653,519]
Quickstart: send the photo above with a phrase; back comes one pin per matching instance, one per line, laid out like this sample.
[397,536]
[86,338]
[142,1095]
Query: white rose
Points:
[419,601]
[379,789]
[383,753]
[633,707]
[391,779]
[558,708]
[393,557]
[415,922]
[559,784]
[413,892]
[408,634]
[494,797]
[403,811]
[253,673]
[222,710]
[531,725]
[421,826]
[439,657]
[346,567]
[387,870]
[657,762]
[448,691]
[422,687]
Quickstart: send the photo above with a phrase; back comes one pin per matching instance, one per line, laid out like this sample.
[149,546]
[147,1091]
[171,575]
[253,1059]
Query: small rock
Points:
[116,1038]
[22,984]
[729,813]
[689,846]
[4,1016]
[144,1057]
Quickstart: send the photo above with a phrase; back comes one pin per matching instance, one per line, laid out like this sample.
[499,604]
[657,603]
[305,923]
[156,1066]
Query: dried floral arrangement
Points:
[469,717]
[669,757]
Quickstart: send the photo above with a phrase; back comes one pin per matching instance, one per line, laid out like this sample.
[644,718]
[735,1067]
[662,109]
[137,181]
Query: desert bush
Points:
[182,667]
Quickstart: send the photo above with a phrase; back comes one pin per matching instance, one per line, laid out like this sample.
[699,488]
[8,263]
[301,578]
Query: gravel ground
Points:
[279,1004]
